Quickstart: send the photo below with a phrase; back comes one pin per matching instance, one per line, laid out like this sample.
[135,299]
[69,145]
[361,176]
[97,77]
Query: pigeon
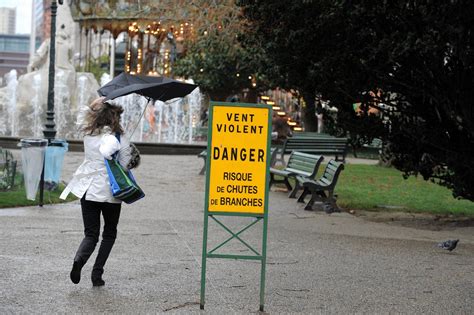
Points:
[448,245]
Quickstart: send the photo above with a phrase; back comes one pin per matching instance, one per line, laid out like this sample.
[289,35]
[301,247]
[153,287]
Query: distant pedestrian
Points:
[90,183]
[281,128]
[319,116]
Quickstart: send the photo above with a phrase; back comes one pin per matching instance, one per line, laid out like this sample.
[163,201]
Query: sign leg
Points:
[264,263]
[204,259]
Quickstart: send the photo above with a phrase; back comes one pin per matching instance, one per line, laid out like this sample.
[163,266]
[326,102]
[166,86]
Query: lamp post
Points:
[49,131]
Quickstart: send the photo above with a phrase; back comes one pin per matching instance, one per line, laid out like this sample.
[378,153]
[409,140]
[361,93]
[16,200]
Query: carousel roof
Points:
[118,16]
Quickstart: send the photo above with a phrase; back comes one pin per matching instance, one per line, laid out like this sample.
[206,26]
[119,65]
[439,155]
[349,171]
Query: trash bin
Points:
[32,158]
[53,164]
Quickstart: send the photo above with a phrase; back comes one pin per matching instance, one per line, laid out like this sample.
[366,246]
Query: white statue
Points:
[63,52]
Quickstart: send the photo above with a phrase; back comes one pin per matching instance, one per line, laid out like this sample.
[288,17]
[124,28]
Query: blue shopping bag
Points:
[122,183]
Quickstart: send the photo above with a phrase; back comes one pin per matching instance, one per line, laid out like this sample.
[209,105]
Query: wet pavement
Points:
[317,263]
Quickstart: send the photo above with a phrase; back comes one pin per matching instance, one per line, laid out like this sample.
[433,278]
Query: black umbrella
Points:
[125,79]
[156,88]
[163,89]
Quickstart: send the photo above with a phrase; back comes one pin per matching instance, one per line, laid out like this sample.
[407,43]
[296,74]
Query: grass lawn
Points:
[371,187]
[17,197]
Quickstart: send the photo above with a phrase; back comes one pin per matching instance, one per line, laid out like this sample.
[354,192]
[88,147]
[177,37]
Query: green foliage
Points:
[287,32]
[96,67]
[360,128]
[213,62]
[418,53]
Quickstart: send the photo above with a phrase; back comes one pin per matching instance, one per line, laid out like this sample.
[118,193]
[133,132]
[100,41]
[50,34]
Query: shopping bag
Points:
[122,183]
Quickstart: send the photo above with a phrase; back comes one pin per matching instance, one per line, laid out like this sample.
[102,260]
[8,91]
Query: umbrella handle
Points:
[139,120]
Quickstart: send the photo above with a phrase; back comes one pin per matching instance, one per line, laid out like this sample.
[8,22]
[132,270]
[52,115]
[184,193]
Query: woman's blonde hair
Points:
[102,115]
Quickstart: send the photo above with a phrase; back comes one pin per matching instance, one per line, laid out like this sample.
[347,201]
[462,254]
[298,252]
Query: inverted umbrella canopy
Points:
[162,90]
[156,88]
[125,79]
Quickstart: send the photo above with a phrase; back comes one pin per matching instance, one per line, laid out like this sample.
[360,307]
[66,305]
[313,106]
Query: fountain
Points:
[23,102]
[173,121]
[164,122]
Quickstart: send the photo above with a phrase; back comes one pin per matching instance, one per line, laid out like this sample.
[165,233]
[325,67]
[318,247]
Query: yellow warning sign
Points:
[238,159]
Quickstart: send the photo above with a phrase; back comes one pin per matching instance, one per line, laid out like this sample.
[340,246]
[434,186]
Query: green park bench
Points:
[322,189]
[311,134]
[203,155]
[374,147]
[299,164]
[318,144]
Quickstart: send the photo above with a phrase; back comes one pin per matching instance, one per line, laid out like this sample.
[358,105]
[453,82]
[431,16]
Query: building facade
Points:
[38,19]
[14,53]
[7,21]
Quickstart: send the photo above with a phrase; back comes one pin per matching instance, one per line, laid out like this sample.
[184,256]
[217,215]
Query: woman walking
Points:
[103,136]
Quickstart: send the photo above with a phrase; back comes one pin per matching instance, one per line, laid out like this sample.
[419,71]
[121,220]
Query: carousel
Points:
[151,35]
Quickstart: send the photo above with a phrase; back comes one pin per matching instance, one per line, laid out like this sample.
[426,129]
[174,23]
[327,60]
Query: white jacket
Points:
[91,176]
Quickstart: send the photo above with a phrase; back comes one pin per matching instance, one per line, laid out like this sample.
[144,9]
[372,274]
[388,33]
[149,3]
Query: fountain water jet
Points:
[8,121]
[62,101]
[36,105]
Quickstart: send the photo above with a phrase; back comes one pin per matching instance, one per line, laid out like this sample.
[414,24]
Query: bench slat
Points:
[298,171]
[324,181]
[279,172]
[331,169]
[304,158]
[329,172]
[305,166]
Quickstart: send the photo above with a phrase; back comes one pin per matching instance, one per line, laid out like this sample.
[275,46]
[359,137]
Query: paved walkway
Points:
[317,263]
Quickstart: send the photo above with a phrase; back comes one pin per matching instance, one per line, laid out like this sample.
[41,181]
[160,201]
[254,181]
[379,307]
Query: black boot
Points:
[75,274]
[96,277]
[82,255]
[98,269]
[97,280]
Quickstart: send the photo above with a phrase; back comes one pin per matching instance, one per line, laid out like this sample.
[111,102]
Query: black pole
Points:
[49,131]
[80,47]
[89,53]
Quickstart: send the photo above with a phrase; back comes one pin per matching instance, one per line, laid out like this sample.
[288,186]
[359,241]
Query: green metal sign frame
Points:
[261,256]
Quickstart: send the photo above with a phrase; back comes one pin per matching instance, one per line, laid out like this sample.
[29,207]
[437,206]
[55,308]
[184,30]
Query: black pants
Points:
[91,211]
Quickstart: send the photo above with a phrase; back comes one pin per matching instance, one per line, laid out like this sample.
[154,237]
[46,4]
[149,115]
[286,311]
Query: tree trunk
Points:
[309,117]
